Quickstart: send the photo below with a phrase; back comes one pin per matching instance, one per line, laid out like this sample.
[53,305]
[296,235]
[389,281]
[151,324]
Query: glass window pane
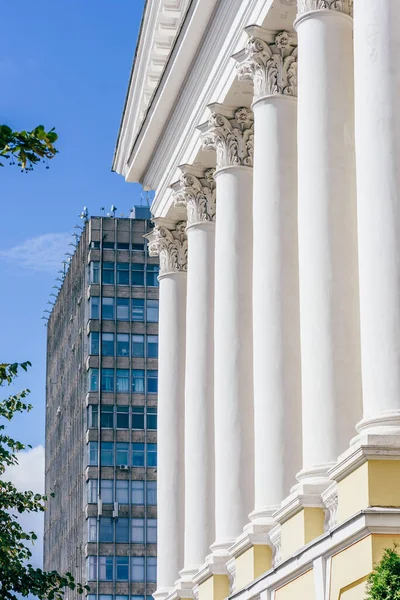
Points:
[151,455]
[94,272]
[107,416]
[122,344]
[137,454]
[122,530]
[122,246]
[123,273]
[107,454]
[151,417]
[137,274]
[91,491]
[138,345]
[94,342]
[122,567]
[122,457]
[137,568]
[92,529]
[94,307]
[107,344]
[92,454]
[108,270]
[107,491]
[123,309]
[152,382]
[152,311]
[122,417]
[151,531]
[138,492]
[137,417]
[107,380]
[106,533]
[152,346]
[108,246]
[152,275]
[106,571]
[152,493]
[92,568]
[151,569]
[137,309]
[137,531]
[138,381]
[107,308]
[137,247]
[93,415]
[93,380]
[123,380]
[122,491]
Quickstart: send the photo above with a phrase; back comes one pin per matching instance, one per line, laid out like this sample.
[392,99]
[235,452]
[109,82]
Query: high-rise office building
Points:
[101,413]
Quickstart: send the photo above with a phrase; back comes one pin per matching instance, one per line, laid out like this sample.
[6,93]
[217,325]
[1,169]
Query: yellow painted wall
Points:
[214,588]
[302,528]
[301,588]
[349,570]
[380,542]
[353,493]
[252,563]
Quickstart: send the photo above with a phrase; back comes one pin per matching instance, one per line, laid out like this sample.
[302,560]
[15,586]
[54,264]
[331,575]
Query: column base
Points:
[251,554]
[384,424]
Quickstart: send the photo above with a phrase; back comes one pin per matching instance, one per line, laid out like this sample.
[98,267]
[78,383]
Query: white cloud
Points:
[41,253]
[29,475]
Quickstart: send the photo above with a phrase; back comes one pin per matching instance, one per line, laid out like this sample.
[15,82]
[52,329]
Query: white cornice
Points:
[159,29]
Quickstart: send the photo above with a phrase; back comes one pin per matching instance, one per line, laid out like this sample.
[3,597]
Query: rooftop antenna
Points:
[103,209]
[45,318]
[78,227]
[48,311]
[75,235]
[84,215]
[113,209]
[72,244]
[147,198]
[68,254]
[55,287]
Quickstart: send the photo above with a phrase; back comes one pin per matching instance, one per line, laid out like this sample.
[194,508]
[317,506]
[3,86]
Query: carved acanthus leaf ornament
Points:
[344,6]
[171,246]
[197,196]
[271,67]
[233,139]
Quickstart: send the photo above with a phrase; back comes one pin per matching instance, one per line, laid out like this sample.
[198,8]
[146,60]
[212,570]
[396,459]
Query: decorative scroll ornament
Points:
[233,139]
[197,196]
[271,67]
[331,509]
[171,246]
[276,545]
[344,6]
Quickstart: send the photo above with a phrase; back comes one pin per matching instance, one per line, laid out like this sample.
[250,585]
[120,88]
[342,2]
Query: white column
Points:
[197,195]
[271,63]
[171,247]
[329,315]
[231,134]
[377,81]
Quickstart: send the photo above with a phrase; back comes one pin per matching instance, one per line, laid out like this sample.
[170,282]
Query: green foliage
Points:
[384,581]
[17,575]
[27,147]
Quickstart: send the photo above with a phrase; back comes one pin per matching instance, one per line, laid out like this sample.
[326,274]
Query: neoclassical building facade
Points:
[270,132]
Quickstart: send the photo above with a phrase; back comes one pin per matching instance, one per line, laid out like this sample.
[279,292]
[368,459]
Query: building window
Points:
[122,344]
[92,568]
[137,309]
[151,569]
[137,247]
[152,346]
[122,246]
[123,380]
[107,416]
[137,531]
[94,307]
[151,455]
[151,275]
[152,311]
[94,245]
[137,568]
[92,454]
[107,312]
[93,380]
[107,491]
[94,272]
[137,417]
[108,246]
[138,492]
[152,382]
[106,570]
[138,345]
[122,530]
[93,415]
[122,567]
[137,274]
[107,344]
[92,529]
[151,531]
[137,454]
[138,381]
[91,485]
[122,456]
[151,417]
[151,488]
[107,380]
[122,416]
[106,533]
[123,273]
[122,491]
[122,309]
[108,271]
[107,454]
[94,342]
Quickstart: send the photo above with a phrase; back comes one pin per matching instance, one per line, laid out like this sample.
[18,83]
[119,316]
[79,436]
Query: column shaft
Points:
[331,390]
[377,81]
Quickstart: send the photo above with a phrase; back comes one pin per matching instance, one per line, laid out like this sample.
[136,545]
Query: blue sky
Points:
[66,64]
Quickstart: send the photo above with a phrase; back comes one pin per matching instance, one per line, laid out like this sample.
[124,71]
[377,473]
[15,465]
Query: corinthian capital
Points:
[196,194]
[171,246]
[272,67]
[305,6]
[231,135]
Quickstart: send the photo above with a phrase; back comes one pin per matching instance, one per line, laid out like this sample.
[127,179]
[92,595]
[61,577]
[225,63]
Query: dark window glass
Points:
[137,273]
[93,415]
[138,381]
[107,308]
[107,344]
[122,453]
[123,417]
[137,454]
[151,455]
[138,345]
[137,247]
[151,562]
[108,271]
[106,530]
[107,380]
[123,273]
[151,417]
[107,491]
[152,274]
[106,570]
[107,416]
[107,454]
[94,342]
[94,307]
[152,311]
[137,309]
[92,454]
[137,417]
[122,344]
[152,346]
[95,245]
[91,491]
[108,246]
[123,380]
[122,309]
[122,246]
[152,382]
[138,492]
[152,493]
[93,380]
[122,531]
[94,272]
